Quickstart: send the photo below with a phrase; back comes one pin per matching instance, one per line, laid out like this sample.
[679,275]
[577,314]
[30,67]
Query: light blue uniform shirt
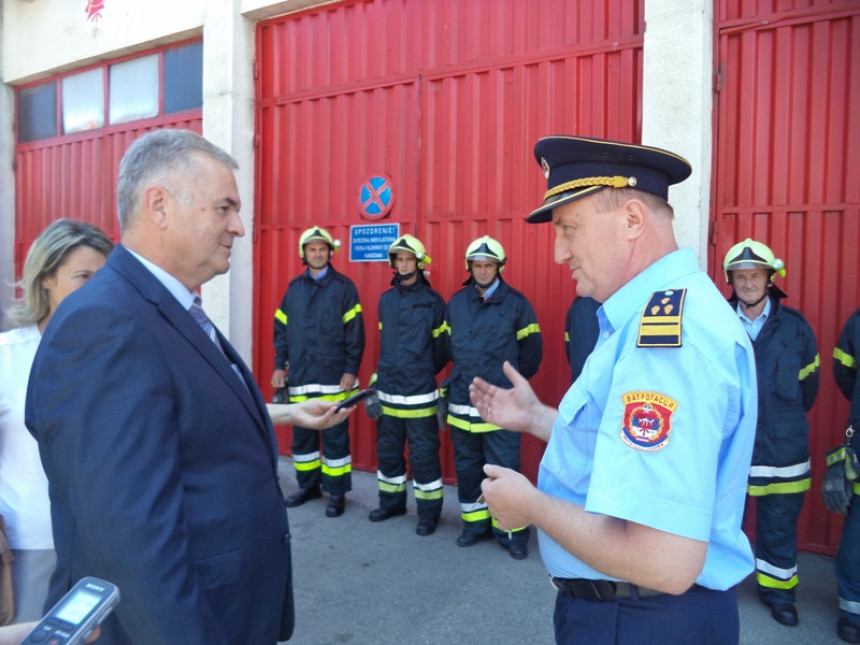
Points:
[753,327]
[690,482]
[319,276]
[491,289]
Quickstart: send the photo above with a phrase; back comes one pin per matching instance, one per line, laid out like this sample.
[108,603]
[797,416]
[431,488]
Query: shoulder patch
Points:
[647,420]
[660,325]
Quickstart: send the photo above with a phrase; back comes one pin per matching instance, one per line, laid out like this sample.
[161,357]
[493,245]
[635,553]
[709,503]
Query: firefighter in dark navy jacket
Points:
[840,495]
[412,351]
[787,370]
[580,332]
[488,323]
[319,340]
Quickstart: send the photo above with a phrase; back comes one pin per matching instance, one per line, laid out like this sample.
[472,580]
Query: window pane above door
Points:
[83,101]
[134,89]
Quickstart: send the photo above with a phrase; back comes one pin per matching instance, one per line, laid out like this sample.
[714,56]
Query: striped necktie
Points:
[196,311]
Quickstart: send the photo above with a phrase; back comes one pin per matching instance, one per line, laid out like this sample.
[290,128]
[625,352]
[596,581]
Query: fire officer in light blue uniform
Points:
[841,484]
[641,488]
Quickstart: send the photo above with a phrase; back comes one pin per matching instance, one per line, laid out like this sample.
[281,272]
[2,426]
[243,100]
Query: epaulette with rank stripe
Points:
[660,325]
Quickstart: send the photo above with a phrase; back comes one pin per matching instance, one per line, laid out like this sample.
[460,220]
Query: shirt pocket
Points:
[575,434]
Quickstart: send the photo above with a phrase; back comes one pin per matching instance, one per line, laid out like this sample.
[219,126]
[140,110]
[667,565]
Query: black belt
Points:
[600,589]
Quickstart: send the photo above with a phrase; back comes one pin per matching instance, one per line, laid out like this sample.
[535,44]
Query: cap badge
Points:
[545,166]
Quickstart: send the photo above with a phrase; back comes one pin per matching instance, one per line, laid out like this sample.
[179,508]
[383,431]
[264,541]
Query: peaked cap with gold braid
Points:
[576,167]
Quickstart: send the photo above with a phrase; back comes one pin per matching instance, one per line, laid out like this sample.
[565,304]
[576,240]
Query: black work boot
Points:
[303,495]
[471,537]
[381,514]
[336,503]
[427,525]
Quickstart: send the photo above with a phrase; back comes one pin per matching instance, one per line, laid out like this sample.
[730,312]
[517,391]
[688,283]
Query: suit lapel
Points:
[152,290]
[252,392]
[195,335]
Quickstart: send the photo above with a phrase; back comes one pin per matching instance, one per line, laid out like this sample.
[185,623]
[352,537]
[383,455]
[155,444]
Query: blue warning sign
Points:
[370,242]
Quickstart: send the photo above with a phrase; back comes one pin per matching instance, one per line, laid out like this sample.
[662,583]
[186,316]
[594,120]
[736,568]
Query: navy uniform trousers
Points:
[701,616]
[776,546]
[334,471]
[471,451]
[848,564]
[423,436]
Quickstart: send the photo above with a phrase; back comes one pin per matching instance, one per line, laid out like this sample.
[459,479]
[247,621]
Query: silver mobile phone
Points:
[77,614]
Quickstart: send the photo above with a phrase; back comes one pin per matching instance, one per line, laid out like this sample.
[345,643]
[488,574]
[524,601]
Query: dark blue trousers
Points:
[423,436]
[471,451]
[848,564]
[333,443]
[701,616]
[776,546]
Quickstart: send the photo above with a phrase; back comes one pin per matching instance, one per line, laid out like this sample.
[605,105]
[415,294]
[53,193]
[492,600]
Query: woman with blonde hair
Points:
[62,258]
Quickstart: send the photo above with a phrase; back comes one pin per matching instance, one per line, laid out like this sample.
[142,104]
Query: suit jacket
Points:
[162,468]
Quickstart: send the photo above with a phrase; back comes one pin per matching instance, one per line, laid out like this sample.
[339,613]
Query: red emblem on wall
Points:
[94,9]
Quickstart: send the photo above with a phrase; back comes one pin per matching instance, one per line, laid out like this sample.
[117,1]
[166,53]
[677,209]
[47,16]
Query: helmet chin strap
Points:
[400,277]
[756,303]
[481,285]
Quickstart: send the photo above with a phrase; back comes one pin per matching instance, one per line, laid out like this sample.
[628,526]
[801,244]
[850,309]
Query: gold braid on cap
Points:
[613,182]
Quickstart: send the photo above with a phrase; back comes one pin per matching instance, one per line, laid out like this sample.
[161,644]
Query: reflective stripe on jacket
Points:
[412,347]
[319,329]
[482,334]
[787,365]
[845,366]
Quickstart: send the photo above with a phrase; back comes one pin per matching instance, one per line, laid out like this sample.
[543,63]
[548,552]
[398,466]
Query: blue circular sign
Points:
[376,196]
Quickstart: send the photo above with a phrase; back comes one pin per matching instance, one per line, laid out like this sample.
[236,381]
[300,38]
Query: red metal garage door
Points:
[72,172]
[75,177]
[787,163]
[447,99]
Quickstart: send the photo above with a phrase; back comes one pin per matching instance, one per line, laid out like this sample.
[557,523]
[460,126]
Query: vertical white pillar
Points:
[7,197]
[678,103]
[228,121]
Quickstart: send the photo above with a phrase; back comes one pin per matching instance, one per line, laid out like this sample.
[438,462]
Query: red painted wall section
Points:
[787,160]
[447,98]
[75,176]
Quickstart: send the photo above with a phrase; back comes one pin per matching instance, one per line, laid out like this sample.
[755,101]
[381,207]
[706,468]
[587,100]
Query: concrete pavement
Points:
[364,583]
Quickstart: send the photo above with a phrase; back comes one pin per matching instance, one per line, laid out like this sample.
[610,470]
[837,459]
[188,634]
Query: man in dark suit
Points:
[158,448]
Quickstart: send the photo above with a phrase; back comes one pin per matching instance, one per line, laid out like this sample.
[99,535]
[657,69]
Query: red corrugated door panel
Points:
[75,176]
[446,98]
[786,162]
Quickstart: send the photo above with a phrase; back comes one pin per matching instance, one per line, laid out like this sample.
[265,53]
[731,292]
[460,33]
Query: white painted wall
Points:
[44,37]
[677,105]
[228,121]
[7,197]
